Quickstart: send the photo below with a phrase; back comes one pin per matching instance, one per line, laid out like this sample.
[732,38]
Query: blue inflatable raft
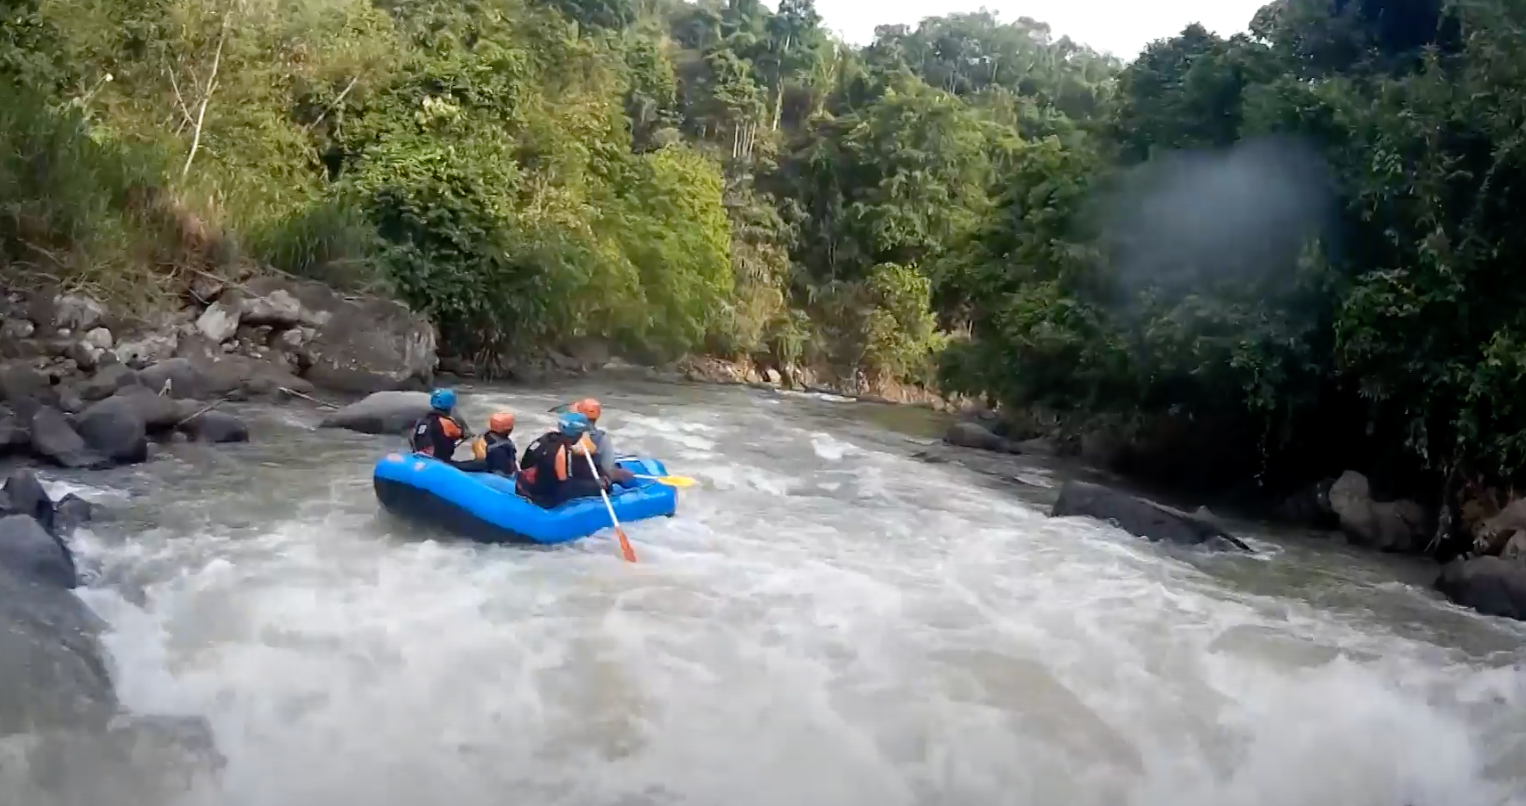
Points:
[484,506]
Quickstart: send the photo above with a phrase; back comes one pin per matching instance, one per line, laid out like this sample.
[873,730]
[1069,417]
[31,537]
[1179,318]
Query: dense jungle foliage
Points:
[1292,246]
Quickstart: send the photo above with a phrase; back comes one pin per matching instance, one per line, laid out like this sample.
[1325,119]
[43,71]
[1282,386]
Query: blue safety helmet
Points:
[573,424]
[442,400]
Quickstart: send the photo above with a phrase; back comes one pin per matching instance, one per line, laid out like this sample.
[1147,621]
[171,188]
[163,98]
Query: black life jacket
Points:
[435,435]
[499,453]
[550,461]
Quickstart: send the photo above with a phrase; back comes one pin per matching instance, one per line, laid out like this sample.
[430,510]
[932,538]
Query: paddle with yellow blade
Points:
[671,481]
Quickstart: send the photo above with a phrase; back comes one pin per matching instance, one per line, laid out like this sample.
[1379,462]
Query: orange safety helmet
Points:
[501,422]
[590,408]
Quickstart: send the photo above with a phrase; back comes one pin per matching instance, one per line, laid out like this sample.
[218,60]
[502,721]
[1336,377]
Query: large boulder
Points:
[270,301]
[1383,525]
[974,435]
[177,377]
[55,441]
[115,428]
[1139,517]
[24,495]
[216,426]
[158,412]
[1490,585]
[381,413]
[29,552]
[50,658]
[106,381]
[359,344]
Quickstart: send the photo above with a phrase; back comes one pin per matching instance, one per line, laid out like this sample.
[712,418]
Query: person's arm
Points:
[604,453]
[606,461]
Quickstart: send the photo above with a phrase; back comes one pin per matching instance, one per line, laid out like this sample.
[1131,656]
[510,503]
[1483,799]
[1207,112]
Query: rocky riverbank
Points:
[84,387]
[1489,575]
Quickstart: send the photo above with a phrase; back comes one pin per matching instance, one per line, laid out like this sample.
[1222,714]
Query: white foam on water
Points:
[822,624]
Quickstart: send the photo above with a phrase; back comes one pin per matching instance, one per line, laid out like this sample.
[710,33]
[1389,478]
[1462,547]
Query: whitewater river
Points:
[827,622]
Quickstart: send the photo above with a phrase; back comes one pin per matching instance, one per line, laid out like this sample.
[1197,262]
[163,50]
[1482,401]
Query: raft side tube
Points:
[484,506]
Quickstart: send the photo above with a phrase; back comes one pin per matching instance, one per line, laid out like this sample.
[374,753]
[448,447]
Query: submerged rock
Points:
[216,426]
[381,413]
[1139,517]
[974,435]
[1490,585]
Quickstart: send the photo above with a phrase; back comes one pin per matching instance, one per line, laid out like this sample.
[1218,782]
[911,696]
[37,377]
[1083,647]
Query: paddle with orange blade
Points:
[625,544]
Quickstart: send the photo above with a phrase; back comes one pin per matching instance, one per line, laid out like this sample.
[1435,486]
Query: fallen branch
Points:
[310,398]
[204,410]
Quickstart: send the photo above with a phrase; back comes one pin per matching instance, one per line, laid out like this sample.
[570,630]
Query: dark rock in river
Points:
[1490,585]
[381,413]
[158,412]
[974,435]
[70,513]
[50,660]
[55,441]
[31,554]
[1139,517]
[24,495]
[114,428]
[54,673]
[216,426]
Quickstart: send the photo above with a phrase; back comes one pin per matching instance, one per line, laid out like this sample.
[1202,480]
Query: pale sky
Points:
[1121,26]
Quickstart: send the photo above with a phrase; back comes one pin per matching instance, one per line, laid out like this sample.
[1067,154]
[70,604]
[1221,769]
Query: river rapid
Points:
[827,622]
